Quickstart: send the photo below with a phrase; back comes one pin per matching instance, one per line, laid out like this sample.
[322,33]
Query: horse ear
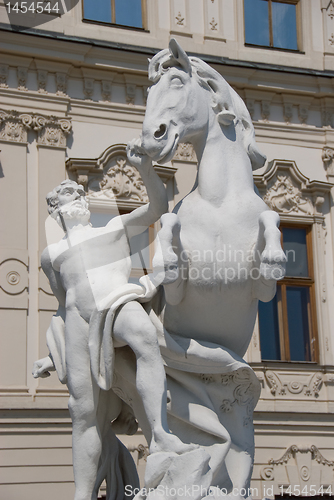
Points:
[179,54]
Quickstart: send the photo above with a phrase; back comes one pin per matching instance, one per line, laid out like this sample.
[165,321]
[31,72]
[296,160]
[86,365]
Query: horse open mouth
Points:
[169,155]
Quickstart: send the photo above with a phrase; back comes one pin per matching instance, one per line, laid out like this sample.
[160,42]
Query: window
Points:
[272,23]
[288,323]
[127,13]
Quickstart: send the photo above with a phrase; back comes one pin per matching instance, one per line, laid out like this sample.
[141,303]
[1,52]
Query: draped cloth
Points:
[116,465]
[100,342]
[212,393]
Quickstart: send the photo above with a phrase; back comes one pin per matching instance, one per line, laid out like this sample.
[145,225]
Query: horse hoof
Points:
[274,271]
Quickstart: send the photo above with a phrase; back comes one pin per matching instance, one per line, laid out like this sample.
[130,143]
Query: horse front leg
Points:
[272,258]
[168,267]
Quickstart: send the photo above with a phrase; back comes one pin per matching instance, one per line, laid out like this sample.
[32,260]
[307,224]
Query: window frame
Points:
[271,45]
[113,23]
[282,309]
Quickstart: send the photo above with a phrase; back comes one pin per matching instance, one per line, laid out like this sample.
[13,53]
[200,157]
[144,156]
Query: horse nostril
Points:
[160,132]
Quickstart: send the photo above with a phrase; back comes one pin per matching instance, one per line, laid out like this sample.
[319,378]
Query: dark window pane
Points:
[294,246]
[299,334]
[269,332]
[98,10]
[128,13]
[257,22]
[284,25]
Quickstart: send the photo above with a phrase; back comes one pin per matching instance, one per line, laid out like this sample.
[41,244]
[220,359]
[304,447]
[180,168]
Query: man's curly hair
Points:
[52,197]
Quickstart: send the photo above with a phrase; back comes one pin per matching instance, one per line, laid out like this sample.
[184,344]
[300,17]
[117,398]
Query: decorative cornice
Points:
[111,181]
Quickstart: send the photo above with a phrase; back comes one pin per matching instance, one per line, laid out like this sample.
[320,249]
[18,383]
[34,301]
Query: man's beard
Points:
[72,212]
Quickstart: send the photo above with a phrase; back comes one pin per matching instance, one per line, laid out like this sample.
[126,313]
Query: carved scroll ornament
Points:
[51,130]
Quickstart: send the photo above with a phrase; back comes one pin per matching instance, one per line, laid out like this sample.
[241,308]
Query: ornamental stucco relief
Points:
[302,466]
[51,130]
[286,384]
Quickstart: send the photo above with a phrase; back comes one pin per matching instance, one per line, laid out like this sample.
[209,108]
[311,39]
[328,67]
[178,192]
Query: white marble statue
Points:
[88,272]
[220,253]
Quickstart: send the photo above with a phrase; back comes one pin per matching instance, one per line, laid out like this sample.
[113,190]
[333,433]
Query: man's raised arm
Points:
[140,219]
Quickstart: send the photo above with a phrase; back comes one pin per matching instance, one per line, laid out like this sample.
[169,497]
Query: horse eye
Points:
[176,82]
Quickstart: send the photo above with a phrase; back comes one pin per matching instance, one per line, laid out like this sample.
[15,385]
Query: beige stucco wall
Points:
[101,90]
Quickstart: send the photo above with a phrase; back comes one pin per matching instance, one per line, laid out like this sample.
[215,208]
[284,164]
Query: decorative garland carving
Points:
[110,180]
[284,197]
[185,152]
[292,450]
[310,387]
[121,180]
[287,191]
[246,392]
[302,470]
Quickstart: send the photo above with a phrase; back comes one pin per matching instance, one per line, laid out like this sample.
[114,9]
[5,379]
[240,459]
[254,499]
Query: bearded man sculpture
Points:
[88,271]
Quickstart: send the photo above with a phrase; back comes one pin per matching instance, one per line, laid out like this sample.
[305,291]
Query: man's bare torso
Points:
[92,262]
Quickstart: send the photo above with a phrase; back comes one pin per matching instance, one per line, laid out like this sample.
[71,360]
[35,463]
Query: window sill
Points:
[306,365]
[265,47]
[111,25]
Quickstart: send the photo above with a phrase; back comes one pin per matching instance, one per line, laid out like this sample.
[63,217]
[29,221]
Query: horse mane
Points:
[227,104]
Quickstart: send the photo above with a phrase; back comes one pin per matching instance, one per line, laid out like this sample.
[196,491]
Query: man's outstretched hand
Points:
[42,367]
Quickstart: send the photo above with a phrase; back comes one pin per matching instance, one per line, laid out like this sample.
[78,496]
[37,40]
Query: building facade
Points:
[73,87]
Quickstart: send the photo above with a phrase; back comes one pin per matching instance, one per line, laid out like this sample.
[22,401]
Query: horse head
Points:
[186,92]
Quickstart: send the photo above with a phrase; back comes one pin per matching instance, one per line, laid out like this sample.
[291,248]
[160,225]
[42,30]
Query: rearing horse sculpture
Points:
[221,249]
[220,253]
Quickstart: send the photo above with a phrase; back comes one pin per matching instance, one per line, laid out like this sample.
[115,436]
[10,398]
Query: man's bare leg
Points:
[83,403]
[133,327]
